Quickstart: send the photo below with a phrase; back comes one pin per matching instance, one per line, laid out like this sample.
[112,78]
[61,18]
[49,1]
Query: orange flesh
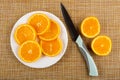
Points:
[51,33]
[25,33]
[90,27]
[30,52]
[101,45]
[51,47]
[39,23]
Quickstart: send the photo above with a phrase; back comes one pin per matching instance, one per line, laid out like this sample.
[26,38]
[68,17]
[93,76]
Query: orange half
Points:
[90,27]
[40,23]
[101,45]
[23,33]
[30,51]
[51,48]
[52,33]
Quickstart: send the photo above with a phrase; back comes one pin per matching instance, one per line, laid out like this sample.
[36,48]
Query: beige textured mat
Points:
[72,65]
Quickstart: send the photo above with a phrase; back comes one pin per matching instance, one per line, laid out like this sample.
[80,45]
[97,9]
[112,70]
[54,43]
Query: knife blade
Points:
[78,40]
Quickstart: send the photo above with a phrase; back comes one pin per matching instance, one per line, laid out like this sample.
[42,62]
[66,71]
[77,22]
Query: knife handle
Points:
[89,60]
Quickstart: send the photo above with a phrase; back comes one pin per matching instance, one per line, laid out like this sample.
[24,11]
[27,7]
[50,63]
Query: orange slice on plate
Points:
[40,22]
[23,33]
[30,51]
[51,48]
[52,33]
[90,27]
[101,45]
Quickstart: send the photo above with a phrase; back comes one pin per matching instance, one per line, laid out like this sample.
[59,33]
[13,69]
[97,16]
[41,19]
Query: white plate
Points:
[44,61]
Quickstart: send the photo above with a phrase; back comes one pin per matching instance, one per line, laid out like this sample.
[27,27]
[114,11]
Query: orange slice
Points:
[101,45]
[52,33]
[40,22]
[51,48]
[30,51]
[90,27]
[23,33]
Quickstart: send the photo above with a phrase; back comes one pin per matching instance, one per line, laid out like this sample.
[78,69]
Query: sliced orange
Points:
[23,33]
[90,27]
[40,22]
[52,33]
[30,51]
[51,48]
[101,45]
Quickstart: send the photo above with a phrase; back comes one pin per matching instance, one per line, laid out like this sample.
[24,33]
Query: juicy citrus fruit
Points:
[40,22]
[90,27]
[51,48]
[52,33]
[101,45]
[30,51]
[23,33]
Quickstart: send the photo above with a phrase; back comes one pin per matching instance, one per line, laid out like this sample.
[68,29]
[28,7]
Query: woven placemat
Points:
[72,66]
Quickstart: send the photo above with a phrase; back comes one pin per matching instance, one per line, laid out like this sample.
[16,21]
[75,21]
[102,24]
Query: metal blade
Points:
[73,32]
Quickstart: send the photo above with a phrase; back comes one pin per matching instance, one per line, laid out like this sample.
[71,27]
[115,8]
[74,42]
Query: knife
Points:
[78,40]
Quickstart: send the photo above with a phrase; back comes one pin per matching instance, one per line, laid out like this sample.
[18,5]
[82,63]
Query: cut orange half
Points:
[51,48]
[52,33]
[40,22]
[101,45]
[90,27]
[23,33]
[30,51]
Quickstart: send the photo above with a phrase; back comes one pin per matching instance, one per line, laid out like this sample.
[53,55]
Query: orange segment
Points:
[51,48]
[23,33]
[101,45]
[30,51]
[52,33]
[40,22]
[90,27]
